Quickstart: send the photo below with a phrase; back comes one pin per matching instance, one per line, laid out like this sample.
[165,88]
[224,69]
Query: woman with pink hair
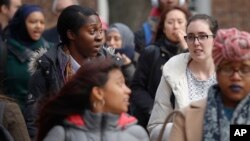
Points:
[228,101]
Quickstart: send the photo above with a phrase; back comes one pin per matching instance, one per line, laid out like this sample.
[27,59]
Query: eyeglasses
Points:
[229,71]
[200,38]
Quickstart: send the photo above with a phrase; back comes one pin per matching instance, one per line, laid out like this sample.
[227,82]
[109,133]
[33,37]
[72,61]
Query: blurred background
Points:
[134,12]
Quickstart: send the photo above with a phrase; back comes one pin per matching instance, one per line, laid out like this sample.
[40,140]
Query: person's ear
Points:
[4,9]
[97,93]
[97,99]
[71,35]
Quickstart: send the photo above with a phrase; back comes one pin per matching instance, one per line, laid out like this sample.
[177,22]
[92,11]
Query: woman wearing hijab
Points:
[121,38]
[24,38]
[228,101]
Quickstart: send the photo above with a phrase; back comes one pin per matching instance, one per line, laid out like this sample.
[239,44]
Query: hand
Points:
[180,36]
[126,60]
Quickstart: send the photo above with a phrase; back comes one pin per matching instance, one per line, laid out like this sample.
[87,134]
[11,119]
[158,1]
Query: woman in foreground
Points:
[91,106]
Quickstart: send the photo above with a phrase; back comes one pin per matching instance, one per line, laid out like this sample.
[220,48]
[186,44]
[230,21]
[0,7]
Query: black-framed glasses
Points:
[229,71]
[200,38]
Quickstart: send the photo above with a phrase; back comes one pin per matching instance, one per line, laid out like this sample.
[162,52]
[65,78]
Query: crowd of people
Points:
[81,81]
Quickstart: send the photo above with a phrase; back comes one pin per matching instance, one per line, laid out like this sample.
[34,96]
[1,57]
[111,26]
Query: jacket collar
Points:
[174,71]
[21,52]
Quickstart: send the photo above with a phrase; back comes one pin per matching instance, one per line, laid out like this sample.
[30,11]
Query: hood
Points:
[33,64]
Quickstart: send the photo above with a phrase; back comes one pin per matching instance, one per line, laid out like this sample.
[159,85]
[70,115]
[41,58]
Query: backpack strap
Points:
[155,59]
[172,100]
[3,60]
[148,34]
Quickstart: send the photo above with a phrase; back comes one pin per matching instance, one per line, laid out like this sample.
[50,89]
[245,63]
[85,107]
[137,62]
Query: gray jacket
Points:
[98,127]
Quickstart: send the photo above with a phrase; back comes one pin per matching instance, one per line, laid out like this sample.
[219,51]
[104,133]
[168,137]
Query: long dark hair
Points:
[74,97]
[159,32]
[72,18]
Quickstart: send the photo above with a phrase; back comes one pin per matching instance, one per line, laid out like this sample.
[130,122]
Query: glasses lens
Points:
[228,71]
[189,38]
[202,37]
[245,70]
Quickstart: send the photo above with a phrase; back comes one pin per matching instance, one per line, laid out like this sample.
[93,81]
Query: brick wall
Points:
[232,13]
[46,4]
[131,12]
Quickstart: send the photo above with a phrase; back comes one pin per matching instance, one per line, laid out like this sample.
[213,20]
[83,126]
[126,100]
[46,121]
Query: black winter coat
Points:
[147,78]
[47,80]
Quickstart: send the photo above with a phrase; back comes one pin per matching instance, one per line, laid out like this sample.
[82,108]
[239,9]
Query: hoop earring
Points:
[103,102]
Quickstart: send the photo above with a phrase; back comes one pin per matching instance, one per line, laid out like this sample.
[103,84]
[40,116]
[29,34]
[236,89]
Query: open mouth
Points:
[37,33]
[97,48]
[198,51]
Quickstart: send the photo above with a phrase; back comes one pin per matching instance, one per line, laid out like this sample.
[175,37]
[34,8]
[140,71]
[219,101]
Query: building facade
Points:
[229,13]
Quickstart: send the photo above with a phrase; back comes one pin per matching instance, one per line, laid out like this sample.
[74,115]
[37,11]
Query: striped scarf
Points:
[68,72]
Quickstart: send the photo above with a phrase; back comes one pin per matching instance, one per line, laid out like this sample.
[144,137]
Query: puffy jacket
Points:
[98,127]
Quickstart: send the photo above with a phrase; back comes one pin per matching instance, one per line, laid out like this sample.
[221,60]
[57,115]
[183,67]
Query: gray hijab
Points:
[127,36]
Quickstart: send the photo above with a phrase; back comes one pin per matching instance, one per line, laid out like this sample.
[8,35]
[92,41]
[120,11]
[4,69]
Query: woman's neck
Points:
[76,55]
[202,70]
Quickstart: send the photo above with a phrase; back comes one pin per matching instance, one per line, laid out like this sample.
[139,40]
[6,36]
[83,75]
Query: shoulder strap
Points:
[155,57]
[148,34]
[2,106]
[3,60]
[168,120]
[172,100]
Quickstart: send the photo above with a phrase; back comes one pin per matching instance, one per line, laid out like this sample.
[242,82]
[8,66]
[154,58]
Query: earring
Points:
[103,102]
[94,104]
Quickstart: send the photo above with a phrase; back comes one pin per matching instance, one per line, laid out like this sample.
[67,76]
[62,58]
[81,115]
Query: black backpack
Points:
[4,133]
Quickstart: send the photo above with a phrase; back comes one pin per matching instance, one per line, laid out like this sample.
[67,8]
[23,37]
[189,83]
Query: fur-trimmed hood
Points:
[52,55]
[33,64]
